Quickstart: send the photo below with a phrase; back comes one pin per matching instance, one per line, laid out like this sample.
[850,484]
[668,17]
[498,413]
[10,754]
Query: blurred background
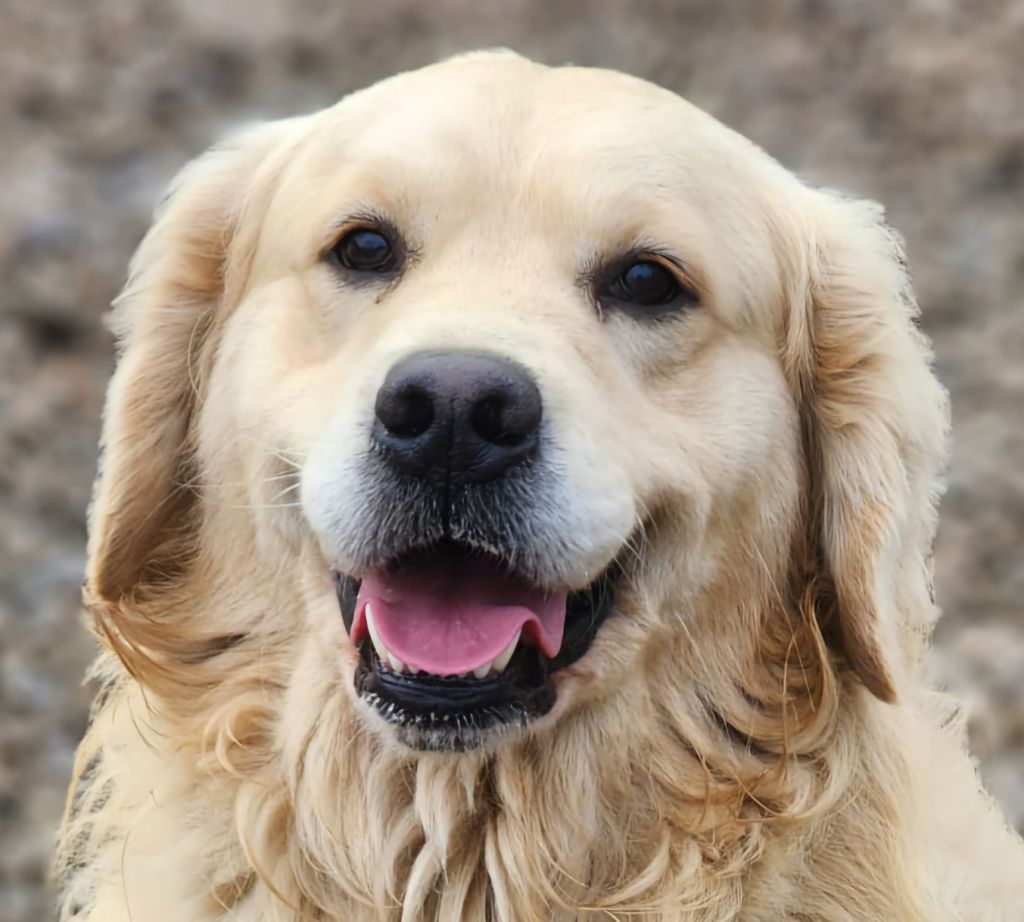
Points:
[918,104]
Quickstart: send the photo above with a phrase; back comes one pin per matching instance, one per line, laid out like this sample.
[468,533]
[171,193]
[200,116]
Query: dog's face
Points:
[498,330]
[508,368]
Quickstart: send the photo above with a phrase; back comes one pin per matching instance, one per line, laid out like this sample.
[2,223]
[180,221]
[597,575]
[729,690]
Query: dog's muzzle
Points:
[455,638]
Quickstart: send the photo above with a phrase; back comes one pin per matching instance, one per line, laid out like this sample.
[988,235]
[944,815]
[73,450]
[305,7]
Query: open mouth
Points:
[452,645]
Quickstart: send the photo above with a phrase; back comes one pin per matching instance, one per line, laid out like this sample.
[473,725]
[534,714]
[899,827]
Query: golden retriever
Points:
[516,504]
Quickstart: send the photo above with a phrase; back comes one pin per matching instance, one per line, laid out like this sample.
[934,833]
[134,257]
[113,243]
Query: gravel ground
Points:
[917,104]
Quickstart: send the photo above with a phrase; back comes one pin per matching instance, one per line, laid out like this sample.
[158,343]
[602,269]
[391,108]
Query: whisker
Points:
[259,505]
[223,484]
[287,490]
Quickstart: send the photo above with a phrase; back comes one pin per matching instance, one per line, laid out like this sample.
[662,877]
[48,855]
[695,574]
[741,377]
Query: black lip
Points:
[454,713]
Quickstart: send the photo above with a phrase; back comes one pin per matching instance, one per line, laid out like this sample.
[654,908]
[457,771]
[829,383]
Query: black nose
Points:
[461,415]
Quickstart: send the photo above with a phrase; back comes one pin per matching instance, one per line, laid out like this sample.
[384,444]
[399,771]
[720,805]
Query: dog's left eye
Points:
[645,282]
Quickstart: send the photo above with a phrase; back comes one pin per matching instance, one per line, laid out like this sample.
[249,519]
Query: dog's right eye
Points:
[365,250]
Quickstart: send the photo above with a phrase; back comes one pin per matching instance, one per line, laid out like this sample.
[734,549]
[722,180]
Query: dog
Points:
[516,504]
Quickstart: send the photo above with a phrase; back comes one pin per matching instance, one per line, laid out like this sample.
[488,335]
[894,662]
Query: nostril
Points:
[506,418]
[488,419]
[407,412]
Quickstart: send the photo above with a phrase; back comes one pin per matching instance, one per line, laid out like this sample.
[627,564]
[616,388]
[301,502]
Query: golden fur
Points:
[749,738]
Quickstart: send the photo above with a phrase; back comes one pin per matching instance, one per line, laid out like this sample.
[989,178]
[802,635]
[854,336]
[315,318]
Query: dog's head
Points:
[497,393]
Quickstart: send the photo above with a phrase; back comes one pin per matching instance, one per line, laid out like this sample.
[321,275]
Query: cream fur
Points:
[748,739]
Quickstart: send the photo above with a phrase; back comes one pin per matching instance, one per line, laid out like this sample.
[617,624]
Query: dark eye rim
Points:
[686,293]
[373,224]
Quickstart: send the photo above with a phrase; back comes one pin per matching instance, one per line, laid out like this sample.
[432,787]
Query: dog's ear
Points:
[180,276]
[875,421]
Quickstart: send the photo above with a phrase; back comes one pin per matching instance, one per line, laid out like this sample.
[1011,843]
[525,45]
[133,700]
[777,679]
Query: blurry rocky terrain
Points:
[918,104]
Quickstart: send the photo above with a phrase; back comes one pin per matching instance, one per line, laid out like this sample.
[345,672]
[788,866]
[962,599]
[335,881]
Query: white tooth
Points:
[382,652]
[502,661]
[482,671]
[378,644]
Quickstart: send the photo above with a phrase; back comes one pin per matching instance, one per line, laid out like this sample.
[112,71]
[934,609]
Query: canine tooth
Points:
[482,671]
[378,644]
[396,664]
[502,661]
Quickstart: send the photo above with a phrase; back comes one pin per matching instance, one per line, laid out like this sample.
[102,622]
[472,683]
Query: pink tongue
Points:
[451,613]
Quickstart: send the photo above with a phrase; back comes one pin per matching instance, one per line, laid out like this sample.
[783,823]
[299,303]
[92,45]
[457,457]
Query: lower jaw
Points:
[456,713]
[453,713]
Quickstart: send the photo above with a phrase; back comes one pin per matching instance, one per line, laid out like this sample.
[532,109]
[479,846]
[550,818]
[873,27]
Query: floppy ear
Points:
[875,426]
[143,507]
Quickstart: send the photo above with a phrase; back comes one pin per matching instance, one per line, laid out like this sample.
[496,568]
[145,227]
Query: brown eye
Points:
[365,250]
[645,282]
